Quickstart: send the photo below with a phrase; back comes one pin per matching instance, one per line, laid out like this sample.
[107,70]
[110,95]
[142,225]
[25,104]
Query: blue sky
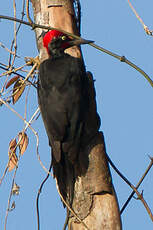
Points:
[124,100]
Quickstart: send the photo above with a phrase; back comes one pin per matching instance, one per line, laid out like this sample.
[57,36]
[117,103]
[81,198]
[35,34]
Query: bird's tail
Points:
[64,173]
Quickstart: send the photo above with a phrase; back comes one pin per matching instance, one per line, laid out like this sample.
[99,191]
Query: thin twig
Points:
[27,123]
[123,59]
[9,200]
[5,171]
[14,70]
[10,157]
[131,185]
[3,87]
[27,11]
[22,16]
[26,102]
[33,117]
[15,33]
[6,66]
[10,196]
[38,195]
[149,32]
[30,72]
[140,197]
[137,186]
[117,171]
[4,47]
[23,8]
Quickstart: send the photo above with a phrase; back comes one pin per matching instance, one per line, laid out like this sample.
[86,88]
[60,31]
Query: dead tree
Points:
[94,201]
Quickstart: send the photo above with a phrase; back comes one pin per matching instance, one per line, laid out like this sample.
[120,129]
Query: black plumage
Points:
[63,100]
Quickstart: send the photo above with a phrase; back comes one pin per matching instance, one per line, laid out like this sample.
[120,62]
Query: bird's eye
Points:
[64,38]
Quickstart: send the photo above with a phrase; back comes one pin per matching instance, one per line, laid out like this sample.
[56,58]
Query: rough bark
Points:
[94,199]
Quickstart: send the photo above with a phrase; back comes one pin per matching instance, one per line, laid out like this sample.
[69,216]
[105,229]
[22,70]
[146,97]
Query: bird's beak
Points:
[77,42]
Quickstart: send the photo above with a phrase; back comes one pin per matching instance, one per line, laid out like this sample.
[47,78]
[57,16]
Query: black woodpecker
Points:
[63,98]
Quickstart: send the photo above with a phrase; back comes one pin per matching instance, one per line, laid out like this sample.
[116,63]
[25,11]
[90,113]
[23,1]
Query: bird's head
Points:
[56,42]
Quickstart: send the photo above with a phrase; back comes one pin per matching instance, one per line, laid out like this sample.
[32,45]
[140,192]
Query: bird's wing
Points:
[53,113]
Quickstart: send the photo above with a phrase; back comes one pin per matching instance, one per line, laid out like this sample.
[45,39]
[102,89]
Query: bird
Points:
[63,97]
[63,94]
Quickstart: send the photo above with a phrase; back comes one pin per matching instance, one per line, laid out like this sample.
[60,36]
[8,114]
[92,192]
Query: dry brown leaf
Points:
[11,81]
[12,145]
[23,142]
[12,155]
[18,89]
[12,161]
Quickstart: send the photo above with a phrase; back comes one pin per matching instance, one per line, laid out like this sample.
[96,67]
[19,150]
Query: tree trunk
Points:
[94,200]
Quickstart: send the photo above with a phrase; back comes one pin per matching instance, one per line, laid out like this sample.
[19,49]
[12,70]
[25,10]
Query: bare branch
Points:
[134,188]
[140,197]
[121,58]
[137,186]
